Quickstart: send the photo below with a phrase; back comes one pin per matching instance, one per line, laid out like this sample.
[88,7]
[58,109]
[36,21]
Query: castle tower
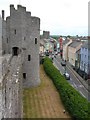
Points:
[31,63]
[23,31]
[46,34]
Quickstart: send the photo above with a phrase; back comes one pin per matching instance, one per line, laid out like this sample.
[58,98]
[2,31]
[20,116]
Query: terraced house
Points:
[72,51]
[84,60]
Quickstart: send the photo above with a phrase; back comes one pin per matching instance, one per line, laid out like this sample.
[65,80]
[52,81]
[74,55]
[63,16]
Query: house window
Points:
[24,75]
[35,40]
[85,49]
[15,31]
[29,57]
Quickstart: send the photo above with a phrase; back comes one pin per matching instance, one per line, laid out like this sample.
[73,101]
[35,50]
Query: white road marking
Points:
[72,85]
[82,94]
[80,86]
[75,85]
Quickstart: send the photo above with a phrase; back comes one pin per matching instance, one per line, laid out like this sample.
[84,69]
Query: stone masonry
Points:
[20,59]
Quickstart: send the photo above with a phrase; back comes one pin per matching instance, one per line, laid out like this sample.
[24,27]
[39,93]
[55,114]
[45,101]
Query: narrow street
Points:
[75,80]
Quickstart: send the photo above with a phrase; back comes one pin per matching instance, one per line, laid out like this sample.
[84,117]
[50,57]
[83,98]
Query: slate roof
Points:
[74,44]
[85,45]
[66,41]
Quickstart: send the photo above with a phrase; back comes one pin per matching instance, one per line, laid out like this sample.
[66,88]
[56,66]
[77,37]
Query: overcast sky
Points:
[60,17]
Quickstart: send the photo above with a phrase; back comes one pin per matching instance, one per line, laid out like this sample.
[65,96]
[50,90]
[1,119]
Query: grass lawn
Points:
[43,101]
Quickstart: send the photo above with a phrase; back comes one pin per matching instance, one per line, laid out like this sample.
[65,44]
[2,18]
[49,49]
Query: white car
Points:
[56,53]
[67,76]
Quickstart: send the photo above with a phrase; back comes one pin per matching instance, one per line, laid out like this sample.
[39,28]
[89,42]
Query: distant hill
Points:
[55,36]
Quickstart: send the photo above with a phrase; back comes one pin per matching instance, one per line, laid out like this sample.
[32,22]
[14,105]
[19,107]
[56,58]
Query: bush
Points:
[77,105]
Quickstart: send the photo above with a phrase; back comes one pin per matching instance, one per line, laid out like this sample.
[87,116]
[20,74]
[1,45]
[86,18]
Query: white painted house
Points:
[84,57]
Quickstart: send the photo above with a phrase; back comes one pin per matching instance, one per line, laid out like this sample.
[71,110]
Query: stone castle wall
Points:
[12,90]
[20,60]
[22,31]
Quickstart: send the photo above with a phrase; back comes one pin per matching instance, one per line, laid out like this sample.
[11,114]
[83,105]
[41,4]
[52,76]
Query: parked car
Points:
[56,53]
[63,63]
[67,76]
[47,53]
[52,56]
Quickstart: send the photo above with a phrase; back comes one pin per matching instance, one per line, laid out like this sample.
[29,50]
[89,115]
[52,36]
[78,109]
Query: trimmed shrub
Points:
[76,104]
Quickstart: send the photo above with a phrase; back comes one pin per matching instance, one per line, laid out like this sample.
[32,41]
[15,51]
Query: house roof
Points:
[85,45]
[74,44]
[66,41]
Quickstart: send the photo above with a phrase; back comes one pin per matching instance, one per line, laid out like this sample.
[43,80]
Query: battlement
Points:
[12,6]
[35,20]
[28,14]
[20,7]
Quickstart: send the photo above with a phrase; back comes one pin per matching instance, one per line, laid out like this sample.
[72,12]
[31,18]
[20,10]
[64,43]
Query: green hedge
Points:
[77,105]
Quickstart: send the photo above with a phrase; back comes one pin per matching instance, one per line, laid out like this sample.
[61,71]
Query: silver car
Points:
[67,76]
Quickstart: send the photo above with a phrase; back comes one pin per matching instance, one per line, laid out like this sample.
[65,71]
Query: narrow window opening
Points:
[29,57]
[35,40]
[5,97]
[7,40]
[24,75]
[15,51]
[15,31]
[24,38]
